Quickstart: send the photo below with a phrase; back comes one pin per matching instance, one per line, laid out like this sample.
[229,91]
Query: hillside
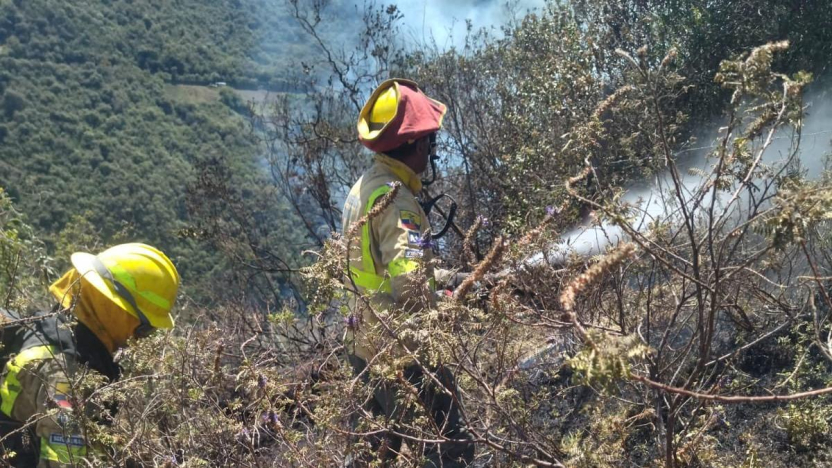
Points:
[188,41]
[95,146]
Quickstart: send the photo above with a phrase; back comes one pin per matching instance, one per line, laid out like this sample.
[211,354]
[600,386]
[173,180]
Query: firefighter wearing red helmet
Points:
[389,261]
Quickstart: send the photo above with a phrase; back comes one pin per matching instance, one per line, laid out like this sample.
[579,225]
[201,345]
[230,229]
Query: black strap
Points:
[449,219]
[428,182]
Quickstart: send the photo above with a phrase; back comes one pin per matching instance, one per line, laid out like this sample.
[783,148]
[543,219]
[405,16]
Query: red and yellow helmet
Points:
[398,112]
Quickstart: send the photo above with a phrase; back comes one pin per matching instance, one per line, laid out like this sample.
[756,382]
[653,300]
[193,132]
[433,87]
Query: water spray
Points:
[652,204]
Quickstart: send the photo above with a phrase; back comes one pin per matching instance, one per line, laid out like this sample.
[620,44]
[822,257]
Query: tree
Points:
[13,102]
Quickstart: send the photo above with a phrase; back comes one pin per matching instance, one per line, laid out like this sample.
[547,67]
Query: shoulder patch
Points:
[62,401]
[61,395]
[413,253]
[410,220]
[414,238]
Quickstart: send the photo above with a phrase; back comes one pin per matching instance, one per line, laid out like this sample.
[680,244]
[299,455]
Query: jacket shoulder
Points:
[373,179]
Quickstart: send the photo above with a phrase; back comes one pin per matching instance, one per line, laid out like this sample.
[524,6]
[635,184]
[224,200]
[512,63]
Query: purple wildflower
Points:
[269,417]
[484,222]
[426,242]
[550,210]
[351,321]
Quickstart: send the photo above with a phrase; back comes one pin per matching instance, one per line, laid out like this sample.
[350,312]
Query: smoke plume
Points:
[652,198]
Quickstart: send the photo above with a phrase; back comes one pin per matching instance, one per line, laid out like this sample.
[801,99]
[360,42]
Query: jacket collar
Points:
[404,173]
[76,340]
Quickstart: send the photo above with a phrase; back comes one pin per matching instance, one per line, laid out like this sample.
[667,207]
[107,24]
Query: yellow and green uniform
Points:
[388,258]
[390,261]
[43,361]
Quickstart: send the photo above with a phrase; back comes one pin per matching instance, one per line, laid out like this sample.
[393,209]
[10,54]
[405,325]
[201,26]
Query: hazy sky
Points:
[446,19]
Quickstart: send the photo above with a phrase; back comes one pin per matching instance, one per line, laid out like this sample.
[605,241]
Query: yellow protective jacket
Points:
[45,364]
[389,259]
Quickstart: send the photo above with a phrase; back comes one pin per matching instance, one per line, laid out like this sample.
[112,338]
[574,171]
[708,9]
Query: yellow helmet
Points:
[138,278]
[384,109]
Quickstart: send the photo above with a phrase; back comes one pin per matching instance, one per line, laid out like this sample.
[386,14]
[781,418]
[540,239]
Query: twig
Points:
[731,399]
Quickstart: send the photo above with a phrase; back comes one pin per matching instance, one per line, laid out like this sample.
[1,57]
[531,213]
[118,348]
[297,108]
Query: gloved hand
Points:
[456,279]
[449,279]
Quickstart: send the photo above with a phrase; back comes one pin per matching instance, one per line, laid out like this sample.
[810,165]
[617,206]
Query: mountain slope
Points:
[90,137]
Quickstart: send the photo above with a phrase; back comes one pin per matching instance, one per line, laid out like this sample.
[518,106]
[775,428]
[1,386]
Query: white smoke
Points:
[654,200]
[426,21]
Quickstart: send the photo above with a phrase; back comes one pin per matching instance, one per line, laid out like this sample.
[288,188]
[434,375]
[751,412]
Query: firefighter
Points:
[389,261]
[124,292]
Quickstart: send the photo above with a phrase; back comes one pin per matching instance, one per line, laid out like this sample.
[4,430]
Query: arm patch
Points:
[413,253]
[410,220]
[414,238]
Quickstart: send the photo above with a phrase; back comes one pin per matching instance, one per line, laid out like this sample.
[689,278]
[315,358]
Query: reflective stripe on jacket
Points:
[387,257]
[37,385]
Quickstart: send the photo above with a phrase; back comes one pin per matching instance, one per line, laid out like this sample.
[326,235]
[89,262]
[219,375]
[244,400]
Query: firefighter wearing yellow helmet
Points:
[124,292]
[390,263]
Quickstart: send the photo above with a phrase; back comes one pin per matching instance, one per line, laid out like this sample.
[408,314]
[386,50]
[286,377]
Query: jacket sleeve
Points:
[44,397]
[403,254]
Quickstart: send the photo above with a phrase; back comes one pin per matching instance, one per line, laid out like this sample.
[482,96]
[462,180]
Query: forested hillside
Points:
[190,41]
[96,144]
